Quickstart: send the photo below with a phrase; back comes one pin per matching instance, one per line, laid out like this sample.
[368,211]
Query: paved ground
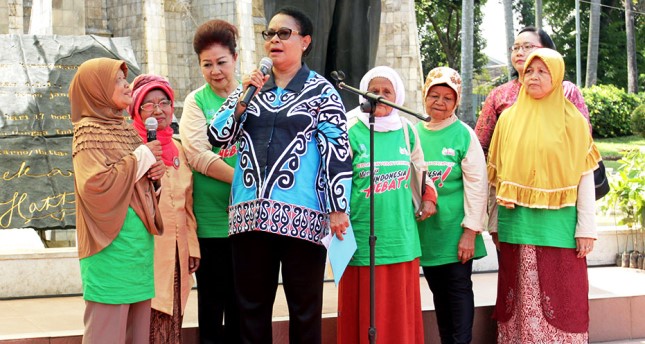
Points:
[36,317]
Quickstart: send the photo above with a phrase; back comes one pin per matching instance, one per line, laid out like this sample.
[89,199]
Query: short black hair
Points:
[305,25]
[545,41]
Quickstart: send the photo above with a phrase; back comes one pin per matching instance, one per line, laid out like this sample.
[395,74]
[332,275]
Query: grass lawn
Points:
[612,147]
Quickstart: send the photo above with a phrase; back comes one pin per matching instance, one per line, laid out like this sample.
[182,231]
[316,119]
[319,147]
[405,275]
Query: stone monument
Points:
[36,175]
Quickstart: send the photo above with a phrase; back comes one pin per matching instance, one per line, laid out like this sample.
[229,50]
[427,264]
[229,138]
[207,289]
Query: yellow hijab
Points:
[541,147]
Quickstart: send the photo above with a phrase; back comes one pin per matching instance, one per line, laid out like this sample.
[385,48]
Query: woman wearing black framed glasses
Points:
[291,184]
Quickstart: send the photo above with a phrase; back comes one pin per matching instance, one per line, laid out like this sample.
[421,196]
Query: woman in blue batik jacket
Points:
[291,183]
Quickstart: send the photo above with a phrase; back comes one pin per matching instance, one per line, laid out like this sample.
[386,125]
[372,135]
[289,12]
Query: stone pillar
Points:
[4,17]
[183,68]
[246,44]
[259,24]
[40,22]
[155,54]
[15,17]
[399,48]
[96,22]
[144,22]
[68,17]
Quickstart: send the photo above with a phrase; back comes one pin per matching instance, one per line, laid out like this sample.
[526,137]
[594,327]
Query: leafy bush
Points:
[638,120]
[610,110]
[627,194]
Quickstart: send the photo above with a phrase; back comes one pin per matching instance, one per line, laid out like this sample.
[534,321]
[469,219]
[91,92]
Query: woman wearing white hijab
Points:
[396,155]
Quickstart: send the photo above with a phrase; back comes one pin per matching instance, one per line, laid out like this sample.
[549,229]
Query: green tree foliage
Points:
[612,51]
[526,12]
[439,23]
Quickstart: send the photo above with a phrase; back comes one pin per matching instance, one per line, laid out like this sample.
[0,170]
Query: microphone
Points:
[265,66]
[151,128]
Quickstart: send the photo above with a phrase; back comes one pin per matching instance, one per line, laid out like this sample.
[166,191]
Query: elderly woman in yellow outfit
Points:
[540,166]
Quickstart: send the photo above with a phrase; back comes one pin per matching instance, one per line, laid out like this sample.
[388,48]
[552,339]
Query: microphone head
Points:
[266,64]
[337,75]
[151,123]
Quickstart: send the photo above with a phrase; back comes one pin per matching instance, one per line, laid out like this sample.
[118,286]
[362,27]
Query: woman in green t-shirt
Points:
[396,154]
[215,45]
[115,178]
[451,239]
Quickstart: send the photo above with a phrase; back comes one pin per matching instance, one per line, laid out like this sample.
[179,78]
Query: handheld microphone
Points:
[265,66]
[151,127]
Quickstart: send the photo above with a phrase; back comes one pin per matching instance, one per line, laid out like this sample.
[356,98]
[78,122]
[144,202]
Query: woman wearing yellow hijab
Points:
[540,168]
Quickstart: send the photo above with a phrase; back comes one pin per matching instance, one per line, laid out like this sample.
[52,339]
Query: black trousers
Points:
[216,293]
[257,257]
[452,292]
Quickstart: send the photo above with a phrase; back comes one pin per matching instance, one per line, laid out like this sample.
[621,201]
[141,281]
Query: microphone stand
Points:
[370,105]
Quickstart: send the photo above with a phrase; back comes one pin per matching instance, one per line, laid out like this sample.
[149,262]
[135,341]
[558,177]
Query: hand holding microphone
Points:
[157,170]
[154,145]
[255,80]
[151,127]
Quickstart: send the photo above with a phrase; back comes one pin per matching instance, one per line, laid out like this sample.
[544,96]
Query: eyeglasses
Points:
[163,105]
[283,34]
[524,47]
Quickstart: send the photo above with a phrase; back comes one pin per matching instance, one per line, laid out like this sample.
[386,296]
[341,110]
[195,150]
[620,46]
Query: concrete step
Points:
[617,312]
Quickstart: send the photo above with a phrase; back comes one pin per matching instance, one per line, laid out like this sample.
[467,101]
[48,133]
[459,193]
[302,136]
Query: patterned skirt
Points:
[166,328]
[533,314]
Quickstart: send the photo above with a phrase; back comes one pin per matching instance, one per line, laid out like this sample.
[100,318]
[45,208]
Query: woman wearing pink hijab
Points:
[177,253]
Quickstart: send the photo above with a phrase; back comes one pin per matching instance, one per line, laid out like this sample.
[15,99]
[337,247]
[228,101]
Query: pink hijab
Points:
[141,85]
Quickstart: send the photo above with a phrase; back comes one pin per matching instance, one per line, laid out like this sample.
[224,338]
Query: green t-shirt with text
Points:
[394,222]
[443,151]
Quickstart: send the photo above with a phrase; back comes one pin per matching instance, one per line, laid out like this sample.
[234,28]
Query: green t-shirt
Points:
[394,222]
[123,272]
[540,227]
[211,196]
[443,151]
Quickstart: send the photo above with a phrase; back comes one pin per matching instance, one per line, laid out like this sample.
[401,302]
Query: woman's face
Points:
[537,79]
[441,102]
[122,95]
[160,108]
[287,52]
[384,88]
[218,68]
[525,43]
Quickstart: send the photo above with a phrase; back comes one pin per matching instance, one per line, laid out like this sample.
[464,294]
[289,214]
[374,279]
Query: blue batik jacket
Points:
[293,165]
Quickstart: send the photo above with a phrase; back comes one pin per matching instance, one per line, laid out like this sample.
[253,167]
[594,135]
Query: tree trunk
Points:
[632,68]
[467,19]
[510,34]
[592,49]
[538,14]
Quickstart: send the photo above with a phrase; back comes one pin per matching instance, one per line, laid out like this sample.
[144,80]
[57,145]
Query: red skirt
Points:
[398,304]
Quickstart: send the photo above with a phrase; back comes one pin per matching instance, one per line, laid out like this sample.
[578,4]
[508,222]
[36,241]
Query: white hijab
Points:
[392,121]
